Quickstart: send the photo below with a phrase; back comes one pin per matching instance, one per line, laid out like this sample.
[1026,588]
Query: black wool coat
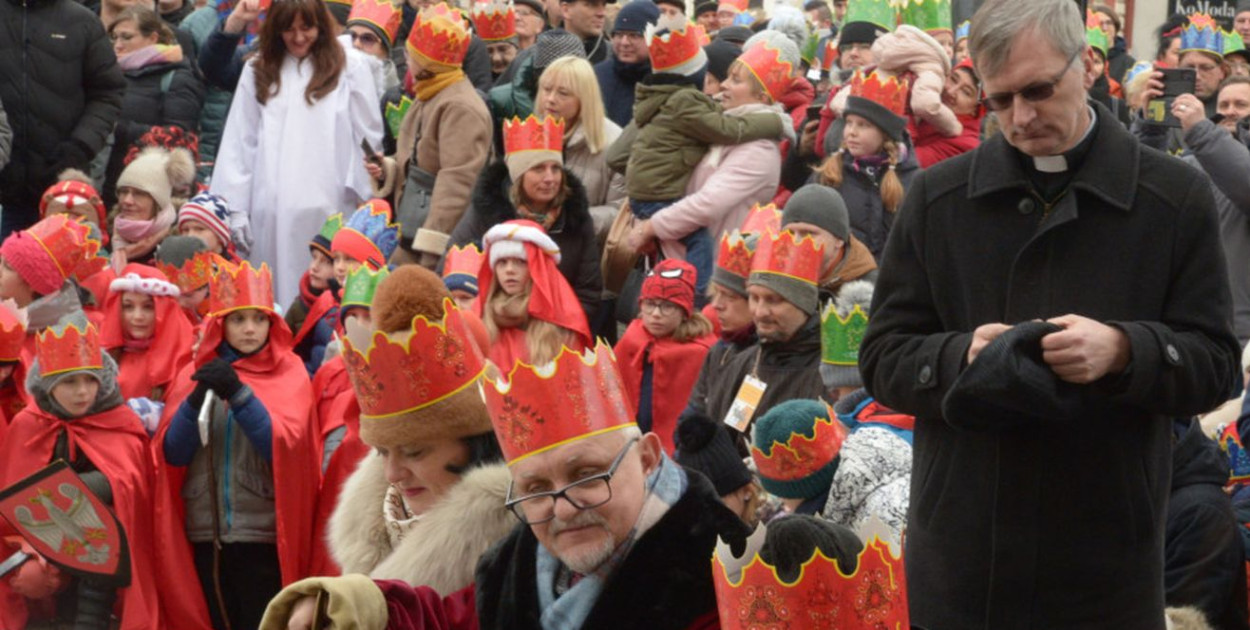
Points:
[1058,525]
[573,230]
[665,583]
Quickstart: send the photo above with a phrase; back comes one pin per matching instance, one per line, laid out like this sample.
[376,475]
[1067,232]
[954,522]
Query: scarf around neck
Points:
[399,522]
[427,89]
[568,611]
[149,56]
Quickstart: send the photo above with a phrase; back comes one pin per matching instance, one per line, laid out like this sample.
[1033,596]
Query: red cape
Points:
[138,373]
[933,147]
[116,443]
[335,407]
[322,306]
[279,379]
[674,370]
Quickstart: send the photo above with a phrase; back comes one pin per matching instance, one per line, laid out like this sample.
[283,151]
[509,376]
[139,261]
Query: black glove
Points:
[196,399]
[220,377]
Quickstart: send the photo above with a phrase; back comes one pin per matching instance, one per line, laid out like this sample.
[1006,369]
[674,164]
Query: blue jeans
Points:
[698,245]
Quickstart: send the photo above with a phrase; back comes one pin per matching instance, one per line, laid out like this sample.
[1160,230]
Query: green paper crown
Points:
[810,49]
[395,114]
[361,285]
[840,335]
[1097,39]
[1233,43]
[879,12]
[331,227]
[927,15]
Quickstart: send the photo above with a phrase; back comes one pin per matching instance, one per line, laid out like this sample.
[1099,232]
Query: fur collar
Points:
[442,550]
[491,202]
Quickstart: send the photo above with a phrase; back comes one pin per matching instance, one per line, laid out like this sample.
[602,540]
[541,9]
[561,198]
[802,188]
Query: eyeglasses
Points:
[368,39]
[1032,93]
[663,307]
[583,494]
[1203,67]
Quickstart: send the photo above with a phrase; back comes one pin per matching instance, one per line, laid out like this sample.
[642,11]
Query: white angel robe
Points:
[285,167]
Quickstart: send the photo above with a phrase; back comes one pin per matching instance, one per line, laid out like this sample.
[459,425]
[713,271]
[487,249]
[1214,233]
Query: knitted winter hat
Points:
[1242,6]
[177,250]
[554,44]
[150,173]
[773,60]
[671,280]
[212,211]
[407,293]
[734,34]
[795,447]
[705,446]
[322,240]
[49,252]
[720,55]
[71,346]
[890,123]
[73,188]
[859,33]
[842,326]
[674,47]
[820,206]
[635,16]
[705,6]
[790,266]
[790,22]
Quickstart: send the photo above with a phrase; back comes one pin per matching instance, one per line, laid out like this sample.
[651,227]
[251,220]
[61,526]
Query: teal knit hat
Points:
[795,448]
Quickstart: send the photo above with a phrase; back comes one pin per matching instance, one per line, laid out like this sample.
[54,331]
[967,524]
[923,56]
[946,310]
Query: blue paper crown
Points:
[1204,34]
[961,31]
[373,221]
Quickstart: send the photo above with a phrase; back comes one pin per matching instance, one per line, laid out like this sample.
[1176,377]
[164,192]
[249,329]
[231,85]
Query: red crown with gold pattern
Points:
[381,13]
[750,595]
[439,36]
[239,287]
[541,407]
[735,254]
[765,219]
[12,331]
[802,456]
[737,6]
[74,348]
[67,241]
[532,134]
[766,65]
[408,370]
[788,255]
[196,272]
[892,93]
[465,260]
[494,21]
[672,50]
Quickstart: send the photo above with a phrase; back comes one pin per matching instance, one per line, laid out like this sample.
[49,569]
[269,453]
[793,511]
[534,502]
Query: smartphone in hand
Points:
[370,155]
[1176,81]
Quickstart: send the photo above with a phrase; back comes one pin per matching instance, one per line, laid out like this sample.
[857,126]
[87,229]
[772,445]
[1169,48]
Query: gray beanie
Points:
[787,50]
[820,206]
[554,44]
[730,279]
[803,295]
[177,250]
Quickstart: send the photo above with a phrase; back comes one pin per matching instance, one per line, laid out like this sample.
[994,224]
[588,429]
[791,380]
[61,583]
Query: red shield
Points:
[67,524]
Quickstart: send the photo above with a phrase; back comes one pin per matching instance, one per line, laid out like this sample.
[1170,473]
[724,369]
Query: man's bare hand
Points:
[1085,350]
[244,13]
[982,337]
[302,614]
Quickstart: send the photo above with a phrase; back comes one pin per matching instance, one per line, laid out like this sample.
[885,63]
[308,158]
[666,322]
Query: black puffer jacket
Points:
[61,89]
[573,231]
[161,94]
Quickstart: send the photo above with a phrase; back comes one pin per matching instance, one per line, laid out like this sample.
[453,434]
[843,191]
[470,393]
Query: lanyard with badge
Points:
[742,411]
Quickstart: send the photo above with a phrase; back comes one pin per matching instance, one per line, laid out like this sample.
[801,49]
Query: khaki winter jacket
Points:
[605,190]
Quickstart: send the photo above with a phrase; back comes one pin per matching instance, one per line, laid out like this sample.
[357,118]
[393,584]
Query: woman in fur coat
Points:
[429,499]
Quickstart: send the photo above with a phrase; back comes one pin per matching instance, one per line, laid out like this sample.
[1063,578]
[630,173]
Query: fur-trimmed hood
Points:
[492,202]
[442,550]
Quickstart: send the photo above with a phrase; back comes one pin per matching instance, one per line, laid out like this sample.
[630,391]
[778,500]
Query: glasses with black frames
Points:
[583,494]
[1033,93]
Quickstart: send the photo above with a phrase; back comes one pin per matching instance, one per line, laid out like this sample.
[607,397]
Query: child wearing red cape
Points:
[12,370]
[146,332]
[78,416]
[236,460]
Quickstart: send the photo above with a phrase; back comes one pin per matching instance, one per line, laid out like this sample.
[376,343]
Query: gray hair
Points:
[998,22]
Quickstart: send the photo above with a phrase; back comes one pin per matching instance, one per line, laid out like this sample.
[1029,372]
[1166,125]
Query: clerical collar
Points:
[1060,163]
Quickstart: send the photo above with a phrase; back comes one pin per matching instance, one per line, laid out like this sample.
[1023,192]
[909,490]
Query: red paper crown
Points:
[532,134]
[195,272]
[239,287]
[765,219]
[73,349]
[67,241]
[735,255]
[412,369]
[802,456]
[439,35]
[823,596]
[737,6]
[766,65]
[674,48]
[494,21]
[12,331]
[465,260]
[539,408]
[380,13]
[788,255]
[891,94]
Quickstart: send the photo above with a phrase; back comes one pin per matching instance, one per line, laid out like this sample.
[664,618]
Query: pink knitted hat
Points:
[47,253]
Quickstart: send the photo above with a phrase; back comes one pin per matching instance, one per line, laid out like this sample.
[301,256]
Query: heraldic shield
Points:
[68,524]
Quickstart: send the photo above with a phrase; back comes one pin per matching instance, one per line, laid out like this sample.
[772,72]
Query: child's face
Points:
[247,330]
[13,287]
[202,232]
[660,317]
[512,274]
[320,269]
[75,393]
[191,300]
[464,299]
[138,315]
[861,137]
[343,266]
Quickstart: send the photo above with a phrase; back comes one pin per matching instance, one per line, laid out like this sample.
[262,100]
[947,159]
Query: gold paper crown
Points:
[495,21]
[402,372]
[73,348]
[439,36]
[465,260]
[196,272]
[239,287]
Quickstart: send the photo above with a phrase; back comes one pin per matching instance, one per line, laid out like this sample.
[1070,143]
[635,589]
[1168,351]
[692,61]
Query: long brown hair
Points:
[543,339]
[327,55]
[830,172]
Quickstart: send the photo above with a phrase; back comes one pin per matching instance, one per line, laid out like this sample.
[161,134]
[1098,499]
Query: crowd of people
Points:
[573,314]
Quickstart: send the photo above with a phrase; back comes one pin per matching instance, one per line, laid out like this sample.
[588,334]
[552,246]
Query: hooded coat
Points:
[991,525]
[148,372]
[442,549]
[573,230]
[672,364]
